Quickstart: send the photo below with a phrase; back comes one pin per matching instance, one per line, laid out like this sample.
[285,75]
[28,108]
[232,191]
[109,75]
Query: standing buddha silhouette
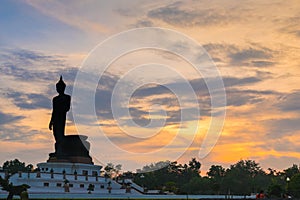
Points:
[61,105]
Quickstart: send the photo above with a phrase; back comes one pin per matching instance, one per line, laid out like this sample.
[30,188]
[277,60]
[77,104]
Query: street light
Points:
[142,177]
[287,185]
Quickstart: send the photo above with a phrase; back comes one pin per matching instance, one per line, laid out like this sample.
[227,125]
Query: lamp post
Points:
[287,184]
[142,179]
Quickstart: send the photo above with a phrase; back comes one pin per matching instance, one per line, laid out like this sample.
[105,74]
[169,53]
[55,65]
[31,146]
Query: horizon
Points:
[253,47]
[140,171]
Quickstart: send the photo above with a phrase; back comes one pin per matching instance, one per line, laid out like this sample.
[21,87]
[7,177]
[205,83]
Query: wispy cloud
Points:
[253,55]
[65,13]
[6,118]
[175,15]
[30,65]
[249,54]
[290,102]
[30,101]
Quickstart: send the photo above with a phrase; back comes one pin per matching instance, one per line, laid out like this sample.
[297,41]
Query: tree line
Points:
[244,177]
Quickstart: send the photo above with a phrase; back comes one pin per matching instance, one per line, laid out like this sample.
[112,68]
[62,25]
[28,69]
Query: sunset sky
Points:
[255,46]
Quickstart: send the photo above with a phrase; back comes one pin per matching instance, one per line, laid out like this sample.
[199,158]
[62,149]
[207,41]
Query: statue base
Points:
[70,159]
[72,149]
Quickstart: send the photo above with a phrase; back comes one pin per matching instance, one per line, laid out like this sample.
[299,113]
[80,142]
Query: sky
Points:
[212,79]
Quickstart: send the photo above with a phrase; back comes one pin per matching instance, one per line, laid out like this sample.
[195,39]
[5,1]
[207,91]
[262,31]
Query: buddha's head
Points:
[60,86]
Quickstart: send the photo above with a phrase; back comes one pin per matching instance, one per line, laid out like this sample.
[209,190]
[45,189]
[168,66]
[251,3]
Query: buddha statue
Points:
[61,105]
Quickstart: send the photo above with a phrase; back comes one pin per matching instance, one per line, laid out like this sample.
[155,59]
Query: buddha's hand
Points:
[50,125]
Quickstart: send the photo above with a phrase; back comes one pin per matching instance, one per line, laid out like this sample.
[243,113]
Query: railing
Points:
[52,175]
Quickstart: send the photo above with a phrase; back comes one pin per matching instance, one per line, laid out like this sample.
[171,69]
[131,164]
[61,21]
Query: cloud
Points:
[142,23]
[251,55]
[18,133]
[138,116]
[284,145]
[278,128]
[296,32]
[12,130]
[155,94]
[27,57]
[290,25]
[138,105]
[261,63]
[27,66]
[176,15]
[30,101]
[241,98]
[290,102]
[152,90]
[6,118]
[103,96]
[103,104]
[199,86]
[219,51]
[30,65]
[68,14]
[224,47]
[279,162]
[234,81]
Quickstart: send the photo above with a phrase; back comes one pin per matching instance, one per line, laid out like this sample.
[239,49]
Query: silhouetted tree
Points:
[291,171]
[275,190]
[294,185]
[244,177]
[216,173]
[14,166]
[111,170]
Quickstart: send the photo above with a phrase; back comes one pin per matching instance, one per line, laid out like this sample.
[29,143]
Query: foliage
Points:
[290,172]
[111,170]
[14,166]
[275,190]
[4,183]
[198,185]
[294,185]
[168,176]
[242,178]
[216,174]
